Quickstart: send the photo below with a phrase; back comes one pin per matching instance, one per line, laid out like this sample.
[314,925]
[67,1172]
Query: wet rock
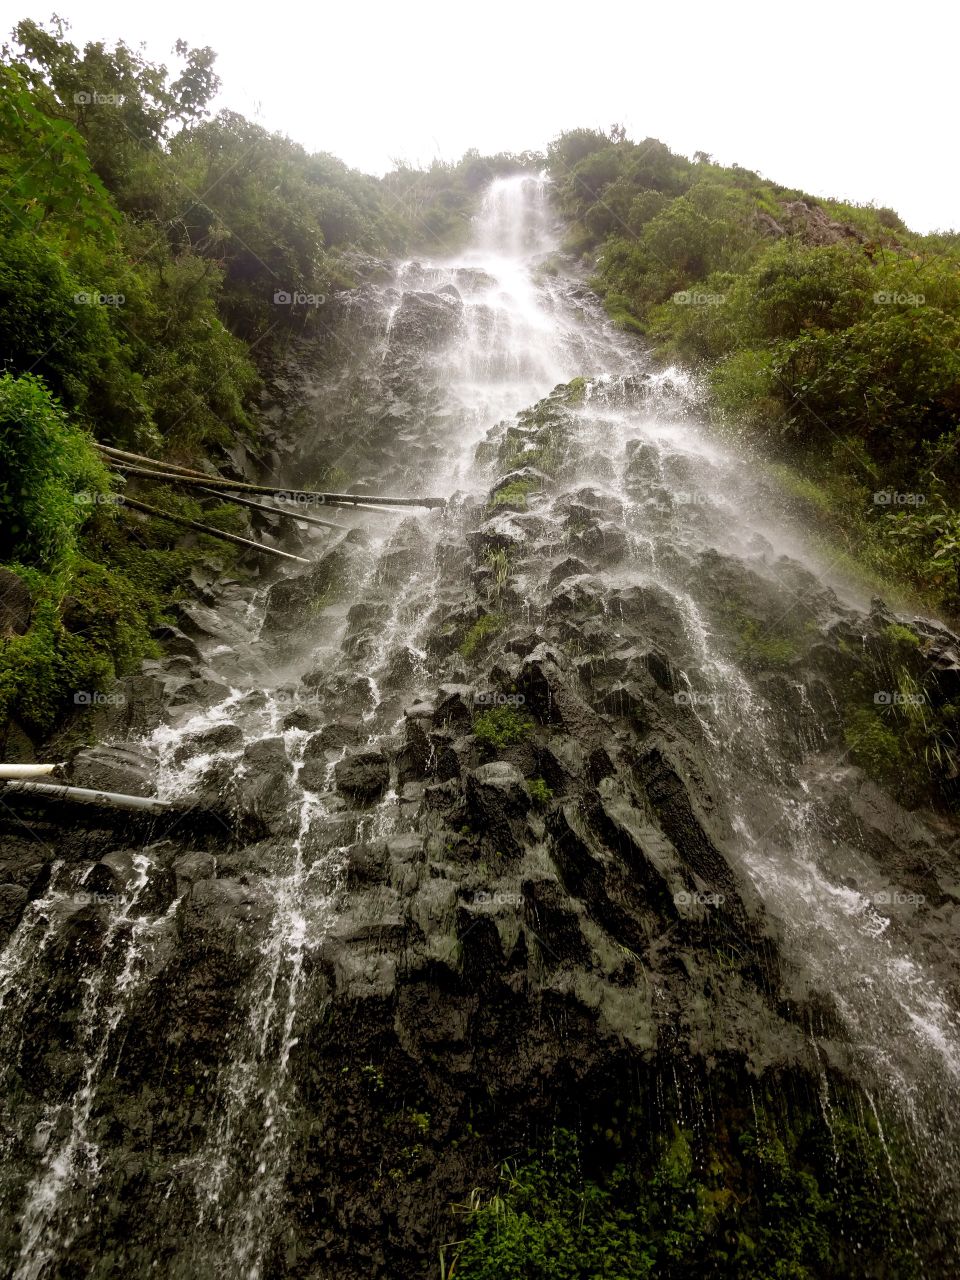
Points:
[178,665]
[367,865]
[353,693]
[404,553]
[427,319]
[137,704]
[127,769]
[497,802]
[13,899]
[226,905]
[303,718]
[176,642]
[942,683]
[16,604]
[132,875]
[191,867]
[218,738]
[420,711]
[413,759]
[501,533]
[294,602]
[269,754]
[363,775]
[258,793]
[455,704]
[531,477]
[569,567]
[601,541]
[202,692]
[333,737]
[578,597]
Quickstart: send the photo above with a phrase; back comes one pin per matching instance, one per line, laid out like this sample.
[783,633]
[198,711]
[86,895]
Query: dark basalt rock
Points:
[175,641]
[533,935]
[127,769]
[363,775]
[427,319]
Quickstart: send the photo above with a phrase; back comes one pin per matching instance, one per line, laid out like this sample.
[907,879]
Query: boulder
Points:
[129,769]
[363,775]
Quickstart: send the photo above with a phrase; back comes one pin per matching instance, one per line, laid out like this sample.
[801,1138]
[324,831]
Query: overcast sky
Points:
[850,98]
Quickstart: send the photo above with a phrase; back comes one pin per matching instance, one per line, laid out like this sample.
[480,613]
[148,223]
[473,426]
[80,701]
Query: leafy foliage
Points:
[829,331]
[501,727]
[767,1206]
[50,476]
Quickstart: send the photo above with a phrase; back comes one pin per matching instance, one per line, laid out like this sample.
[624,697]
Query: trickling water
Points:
[520,331]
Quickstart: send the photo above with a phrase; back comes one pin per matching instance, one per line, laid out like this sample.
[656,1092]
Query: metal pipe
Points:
[82,795]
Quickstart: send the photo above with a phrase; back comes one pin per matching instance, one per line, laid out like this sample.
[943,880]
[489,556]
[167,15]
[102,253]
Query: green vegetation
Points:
[501,727]
[892,728]
[486,626]
[513,494]
[757,646]
[874,745]
[828,333]
[499,562]
[50,476]
[792,1207]
[540,793]
[438,203]
[152,261]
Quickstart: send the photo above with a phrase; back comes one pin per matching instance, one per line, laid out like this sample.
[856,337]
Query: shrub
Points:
[50,475]
[513,494]
[501,727]
[481,631]
[540,793]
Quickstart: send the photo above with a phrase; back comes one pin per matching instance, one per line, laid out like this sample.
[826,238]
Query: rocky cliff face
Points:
[551,819]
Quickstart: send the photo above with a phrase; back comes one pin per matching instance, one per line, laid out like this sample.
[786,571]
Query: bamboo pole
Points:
[122,456]
[215,533]
[11,772]
[82,795]
[324,499]
[279,511]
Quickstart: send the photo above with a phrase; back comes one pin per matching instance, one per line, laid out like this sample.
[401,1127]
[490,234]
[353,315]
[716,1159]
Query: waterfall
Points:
[517,325]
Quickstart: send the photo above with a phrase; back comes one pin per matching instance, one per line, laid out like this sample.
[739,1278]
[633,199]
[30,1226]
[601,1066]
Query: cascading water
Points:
[516,327]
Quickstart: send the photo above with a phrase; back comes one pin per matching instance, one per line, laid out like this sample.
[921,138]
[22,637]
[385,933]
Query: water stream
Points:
[524,327]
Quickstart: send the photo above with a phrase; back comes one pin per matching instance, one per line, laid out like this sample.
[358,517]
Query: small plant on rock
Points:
[502,727]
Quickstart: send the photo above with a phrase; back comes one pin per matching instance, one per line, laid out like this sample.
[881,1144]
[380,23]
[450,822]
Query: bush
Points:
[501,727]
[754,1211]
[50,475]
[481,631]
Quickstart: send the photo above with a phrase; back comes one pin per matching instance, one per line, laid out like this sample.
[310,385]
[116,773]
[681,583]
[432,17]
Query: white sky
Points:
[850,98]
